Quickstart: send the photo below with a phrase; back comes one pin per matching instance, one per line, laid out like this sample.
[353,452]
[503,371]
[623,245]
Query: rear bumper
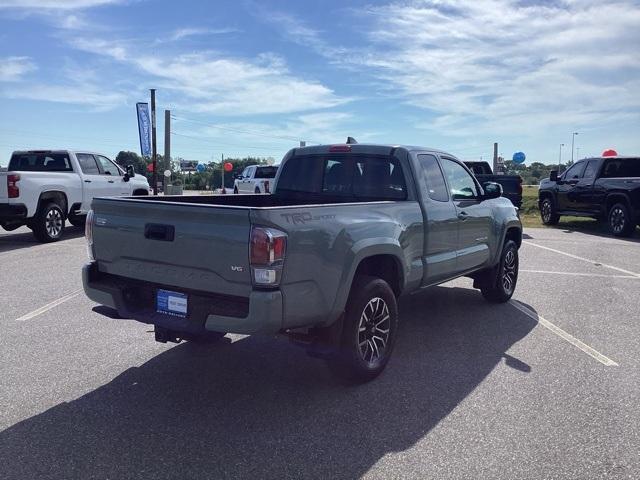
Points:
[261,312]
[12,212]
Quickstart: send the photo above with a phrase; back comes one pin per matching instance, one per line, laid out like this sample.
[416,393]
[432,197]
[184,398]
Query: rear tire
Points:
[48,223]
[548,212]
[369,331]
[500,282]
[619,221]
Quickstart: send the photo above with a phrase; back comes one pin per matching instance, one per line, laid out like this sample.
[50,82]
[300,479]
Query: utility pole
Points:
[495,158]
[154,153]
[573,137]
[167,142]
[222,163]
[560,157]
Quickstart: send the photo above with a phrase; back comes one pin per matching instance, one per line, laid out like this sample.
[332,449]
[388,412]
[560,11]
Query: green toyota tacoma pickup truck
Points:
[348,229]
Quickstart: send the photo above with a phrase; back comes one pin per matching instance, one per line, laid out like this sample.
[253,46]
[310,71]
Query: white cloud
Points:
[181,33]
[213,83]
[13,69]
[76,94]
[508,66]
[55,4]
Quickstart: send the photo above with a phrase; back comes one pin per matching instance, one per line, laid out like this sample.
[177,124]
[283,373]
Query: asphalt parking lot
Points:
[547,386]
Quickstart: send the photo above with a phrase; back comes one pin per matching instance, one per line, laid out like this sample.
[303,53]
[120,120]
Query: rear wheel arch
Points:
[384,266]
[54,196]
[614,198]
[140,192]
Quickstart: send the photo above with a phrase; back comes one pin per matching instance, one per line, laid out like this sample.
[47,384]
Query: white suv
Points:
[255,179]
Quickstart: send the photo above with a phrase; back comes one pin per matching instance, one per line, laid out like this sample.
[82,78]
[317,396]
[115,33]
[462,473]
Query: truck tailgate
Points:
[3,187]
[188,246]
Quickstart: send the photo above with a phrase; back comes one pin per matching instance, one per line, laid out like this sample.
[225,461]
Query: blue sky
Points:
[254,77]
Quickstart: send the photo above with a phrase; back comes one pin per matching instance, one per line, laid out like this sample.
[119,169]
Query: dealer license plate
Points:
[171,303]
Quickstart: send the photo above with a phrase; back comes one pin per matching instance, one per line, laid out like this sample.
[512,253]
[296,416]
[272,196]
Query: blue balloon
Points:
[200,168]
[519,157]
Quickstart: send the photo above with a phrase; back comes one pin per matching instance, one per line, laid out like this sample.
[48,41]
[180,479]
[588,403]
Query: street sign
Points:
[188,165]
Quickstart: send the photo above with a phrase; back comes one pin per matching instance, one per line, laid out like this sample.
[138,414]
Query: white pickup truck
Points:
[43,188]
[255,179]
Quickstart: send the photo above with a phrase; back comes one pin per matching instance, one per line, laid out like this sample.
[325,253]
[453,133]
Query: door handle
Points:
[462,215]
[110,181]
[87,181]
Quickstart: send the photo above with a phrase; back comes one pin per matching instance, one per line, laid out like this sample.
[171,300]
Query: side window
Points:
[107,166]
[244,172]
[461,184]
[436,188]
[251,171]
[592,167]
[88,164]
[575,171]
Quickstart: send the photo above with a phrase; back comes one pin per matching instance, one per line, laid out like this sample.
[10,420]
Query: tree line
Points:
[209,179]
[533,173]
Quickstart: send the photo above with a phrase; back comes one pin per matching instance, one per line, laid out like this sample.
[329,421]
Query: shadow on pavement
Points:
[260,408]
[15,241]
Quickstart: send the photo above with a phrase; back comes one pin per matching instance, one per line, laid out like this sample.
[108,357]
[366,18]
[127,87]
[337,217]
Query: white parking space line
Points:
[48,307]
[594,262]
[580,274]
[564,335]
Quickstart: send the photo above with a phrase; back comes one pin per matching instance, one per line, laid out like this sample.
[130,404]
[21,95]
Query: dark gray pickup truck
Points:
[511,184]
[348,229]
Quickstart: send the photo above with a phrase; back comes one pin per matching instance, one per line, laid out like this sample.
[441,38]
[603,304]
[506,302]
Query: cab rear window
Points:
[363,177]
[40,162]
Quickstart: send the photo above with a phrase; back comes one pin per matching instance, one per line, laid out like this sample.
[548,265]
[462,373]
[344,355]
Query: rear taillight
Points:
[266,255]
[88,233]
[13,190]
[266,186]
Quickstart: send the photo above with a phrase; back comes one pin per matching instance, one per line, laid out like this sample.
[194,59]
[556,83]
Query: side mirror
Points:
[553,175]
[492,190]
[239,177]
[129,173]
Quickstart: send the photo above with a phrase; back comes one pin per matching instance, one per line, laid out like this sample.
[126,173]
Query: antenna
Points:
[351,141]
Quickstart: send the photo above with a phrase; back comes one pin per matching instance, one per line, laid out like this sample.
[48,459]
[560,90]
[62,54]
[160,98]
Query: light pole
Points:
[573,137]
[560,156]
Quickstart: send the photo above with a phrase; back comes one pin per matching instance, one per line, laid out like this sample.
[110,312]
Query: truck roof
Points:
[371,148]
[63,150]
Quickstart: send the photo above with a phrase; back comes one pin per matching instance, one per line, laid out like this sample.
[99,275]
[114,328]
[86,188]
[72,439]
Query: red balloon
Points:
[228,166]
[150,167]
[610,153]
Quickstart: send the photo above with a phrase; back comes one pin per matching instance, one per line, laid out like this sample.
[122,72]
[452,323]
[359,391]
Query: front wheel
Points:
[48,223]
[619,221]
[500,282]
[548,212]
[369,331]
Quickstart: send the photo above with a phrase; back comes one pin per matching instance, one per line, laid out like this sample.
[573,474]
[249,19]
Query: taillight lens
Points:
[267,249]
[13,190]
[88,233]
